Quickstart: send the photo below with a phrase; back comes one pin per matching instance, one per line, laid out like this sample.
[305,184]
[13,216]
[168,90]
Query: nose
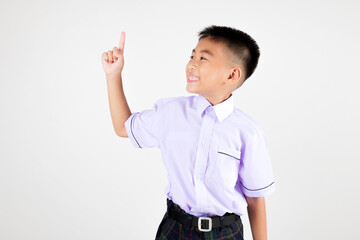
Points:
[192,65]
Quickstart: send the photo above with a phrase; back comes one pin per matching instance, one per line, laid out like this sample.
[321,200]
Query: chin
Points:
[191,90]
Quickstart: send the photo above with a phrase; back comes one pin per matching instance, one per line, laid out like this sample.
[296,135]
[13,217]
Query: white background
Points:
[64,174]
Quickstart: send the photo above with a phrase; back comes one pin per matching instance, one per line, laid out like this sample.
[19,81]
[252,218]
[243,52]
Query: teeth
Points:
[193,78]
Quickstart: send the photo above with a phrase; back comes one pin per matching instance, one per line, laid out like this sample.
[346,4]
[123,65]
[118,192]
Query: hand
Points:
[113,61]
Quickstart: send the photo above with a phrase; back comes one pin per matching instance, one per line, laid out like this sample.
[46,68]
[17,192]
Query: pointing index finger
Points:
[122,41]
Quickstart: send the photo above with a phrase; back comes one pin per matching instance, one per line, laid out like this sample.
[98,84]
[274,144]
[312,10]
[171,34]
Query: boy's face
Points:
[208,71]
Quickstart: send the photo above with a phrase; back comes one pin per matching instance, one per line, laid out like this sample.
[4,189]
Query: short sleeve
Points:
[143,127]
[256,174]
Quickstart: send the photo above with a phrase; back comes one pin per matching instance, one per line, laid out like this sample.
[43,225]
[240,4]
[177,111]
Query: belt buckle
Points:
[209,221]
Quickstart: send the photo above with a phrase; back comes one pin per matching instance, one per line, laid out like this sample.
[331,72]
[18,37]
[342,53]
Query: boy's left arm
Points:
[257,217]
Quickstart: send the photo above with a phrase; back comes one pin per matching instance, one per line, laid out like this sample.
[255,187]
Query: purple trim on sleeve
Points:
[132,130]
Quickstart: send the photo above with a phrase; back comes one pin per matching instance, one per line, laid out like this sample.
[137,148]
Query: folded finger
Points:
[110,54]
[105,57]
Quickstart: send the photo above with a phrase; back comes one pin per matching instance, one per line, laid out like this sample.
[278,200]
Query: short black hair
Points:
[242,46]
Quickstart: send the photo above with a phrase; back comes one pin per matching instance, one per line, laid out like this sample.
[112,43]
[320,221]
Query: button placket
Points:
[202,158]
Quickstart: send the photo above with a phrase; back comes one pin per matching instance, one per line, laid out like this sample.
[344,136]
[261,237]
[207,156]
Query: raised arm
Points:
[113,63]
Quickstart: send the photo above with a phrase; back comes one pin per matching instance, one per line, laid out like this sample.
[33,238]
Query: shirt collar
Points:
[222,110]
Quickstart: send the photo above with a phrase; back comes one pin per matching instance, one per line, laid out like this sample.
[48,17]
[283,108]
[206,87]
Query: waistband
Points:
[204,224]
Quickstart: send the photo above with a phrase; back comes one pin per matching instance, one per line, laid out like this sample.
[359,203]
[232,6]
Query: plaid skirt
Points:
[171,229]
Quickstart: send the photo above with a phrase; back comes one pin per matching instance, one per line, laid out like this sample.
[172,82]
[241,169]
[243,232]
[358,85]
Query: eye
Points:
[191,57]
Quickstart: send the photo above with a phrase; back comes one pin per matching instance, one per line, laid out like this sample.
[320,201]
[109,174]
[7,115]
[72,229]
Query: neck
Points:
[217,99]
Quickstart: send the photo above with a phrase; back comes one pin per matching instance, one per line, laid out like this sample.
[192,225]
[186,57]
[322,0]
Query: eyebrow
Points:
[205,51]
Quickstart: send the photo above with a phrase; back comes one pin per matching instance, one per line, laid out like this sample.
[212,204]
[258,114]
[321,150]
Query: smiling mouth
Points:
[191,81]
[192,78]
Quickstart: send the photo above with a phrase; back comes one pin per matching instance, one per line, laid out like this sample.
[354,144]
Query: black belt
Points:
[204,224]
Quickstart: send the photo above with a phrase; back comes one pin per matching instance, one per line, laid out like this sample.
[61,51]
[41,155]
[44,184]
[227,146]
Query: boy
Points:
[216,155]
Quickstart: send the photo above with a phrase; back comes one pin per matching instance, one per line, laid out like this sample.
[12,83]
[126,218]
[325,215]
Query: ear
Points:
[235,75]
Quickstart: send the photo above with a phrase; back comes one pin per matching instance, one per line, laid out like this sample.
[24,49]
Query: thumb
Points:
[116,52]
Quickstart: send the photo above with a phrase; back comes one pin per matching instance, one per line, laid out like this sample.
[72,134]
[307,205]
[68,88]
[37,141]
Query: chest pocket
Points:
[228,163]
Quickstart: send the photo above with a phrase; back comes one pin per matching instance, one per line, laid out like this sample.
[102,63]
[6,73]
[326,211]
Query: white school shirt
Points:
[214,155]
